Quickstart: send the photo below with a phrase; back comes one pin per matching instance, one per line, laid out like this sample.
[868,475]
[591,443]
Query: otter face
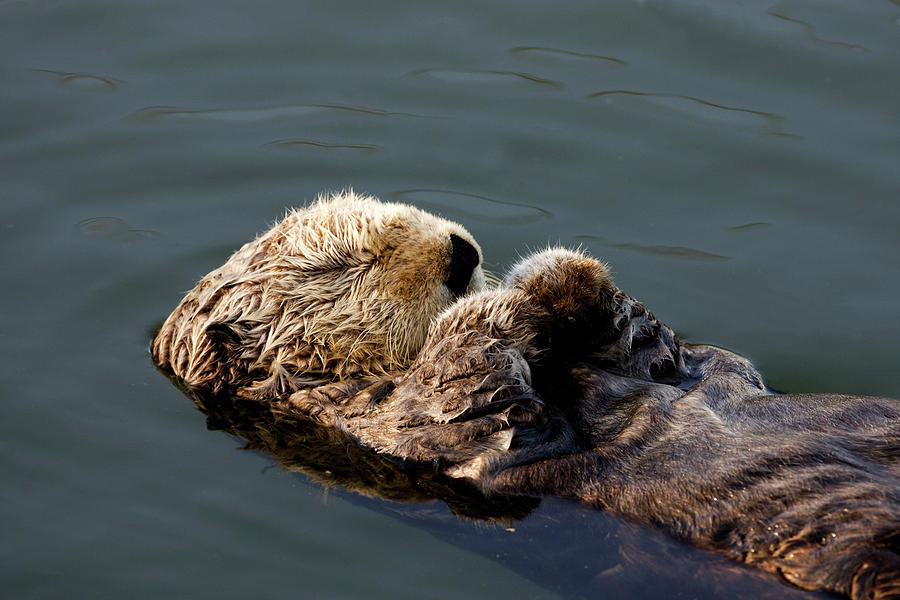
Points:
[343,288]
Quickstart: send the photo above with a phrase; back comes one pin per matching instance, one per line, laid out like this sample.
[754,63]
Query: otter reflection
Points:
[332,458]
[571,550]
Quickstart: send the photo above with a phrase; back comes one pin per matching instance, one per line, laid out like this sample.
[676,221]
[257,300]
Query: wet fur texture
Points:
[343,288]
[560,383]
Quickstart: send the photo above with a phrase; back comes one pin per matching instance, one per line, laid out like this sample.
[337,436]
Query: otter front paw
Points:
[583,314]
[567,283]
[574,296]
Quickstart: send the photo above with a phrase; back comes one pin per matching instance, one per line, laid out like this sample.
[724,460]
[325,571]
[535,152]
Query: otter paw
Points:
[566,283]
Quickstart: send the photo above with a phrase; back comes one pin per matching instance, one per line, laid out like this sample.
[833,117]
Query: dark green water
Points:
[739,167]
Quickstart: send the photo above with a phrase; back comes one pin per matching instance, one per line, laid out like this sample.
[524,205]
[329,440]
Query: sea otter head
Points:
[343,288]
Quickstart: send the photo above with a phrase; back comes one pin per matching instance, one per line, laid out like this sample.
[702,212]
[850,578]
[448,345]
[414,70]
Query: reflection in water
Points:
[113,229]
[84,81]
[680,252]
[751,226]
[252,115]
[333,458]
[294,143]
[568,56]
[699,108]
[576,551]
[812,36]
[465,206]
[469,76]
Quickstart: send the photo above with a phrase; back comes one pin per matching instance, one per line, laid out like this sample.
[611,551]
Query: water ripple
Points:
[85,82]
[293,143]
[113,229]
[698,108]
[678,252]
[751,226]
[253,115]
[810,32]
[539,53]
[476,76]
[460,205]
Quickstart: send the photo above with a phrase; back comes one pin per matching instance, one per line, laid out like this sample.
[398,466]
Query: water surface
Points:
[736,166]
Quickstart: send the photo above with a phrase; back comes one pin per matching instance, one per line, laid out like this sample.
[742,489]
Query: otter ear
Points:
[225,339]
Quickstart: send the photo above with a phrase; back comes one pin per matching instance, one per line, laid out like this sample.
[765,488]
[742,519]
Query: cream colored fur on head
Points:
[343,288]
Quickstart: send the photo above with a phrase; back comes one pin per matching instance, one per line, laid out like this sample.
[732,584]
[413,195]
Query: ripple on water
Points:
[751,226]
[480,77]
[812,36]
[318,145]
[460,205]
[697,109]
[84,82]
[113,229]
[558,55]
[677,252]
[254,114]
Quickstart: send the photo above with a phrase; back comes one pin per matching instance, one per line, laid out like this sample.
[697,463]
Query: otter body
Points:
[803,486]
[806,487]
[559,383]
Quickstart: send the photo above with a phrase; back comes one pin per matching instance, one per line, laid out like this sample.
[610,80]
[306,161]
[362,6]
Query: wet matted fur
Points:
[343,288]
[560,383]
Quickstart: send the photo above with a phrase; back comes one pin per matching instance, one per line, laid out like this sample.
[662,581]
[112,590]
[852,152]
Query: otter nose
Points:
[463,260]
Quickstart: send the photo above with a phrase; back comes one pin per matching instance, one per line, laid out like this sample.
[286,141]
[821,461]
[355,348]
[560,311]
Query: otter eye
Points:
[463,260]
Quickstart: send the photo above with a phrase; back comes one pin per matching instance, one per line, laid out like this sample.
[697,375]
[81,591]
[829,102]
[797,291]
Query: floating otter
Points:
[555,383]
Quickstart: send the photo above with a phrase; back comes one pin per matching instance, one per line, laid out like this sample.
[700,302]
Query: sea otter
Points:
[556,382]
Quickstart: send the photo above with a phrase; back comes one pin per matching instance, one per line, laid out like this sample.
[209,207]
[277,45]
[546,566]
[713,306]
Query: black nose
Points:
[463,260]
